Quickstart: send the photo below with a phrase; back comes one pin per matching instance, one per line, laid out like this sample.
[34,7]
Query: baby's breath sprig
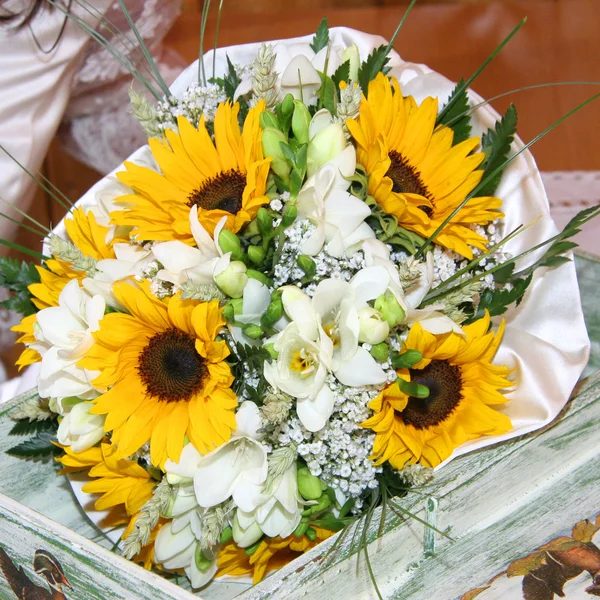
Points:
[147,520]
[264,77]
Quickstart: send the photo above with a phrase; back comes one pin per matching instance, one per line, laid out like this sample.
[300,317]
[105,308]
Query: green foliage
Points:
[342,73]
[496,145]
[249,360]
[375,63]
[497,302]
[39,446]
[229,83]
[16,277]
[455,113]
[321,38]
[328,94]
[26,427]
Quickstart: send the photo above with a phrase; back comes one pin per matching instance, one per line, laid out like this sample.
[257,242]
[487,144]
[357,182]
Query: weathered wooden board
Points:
[501,503]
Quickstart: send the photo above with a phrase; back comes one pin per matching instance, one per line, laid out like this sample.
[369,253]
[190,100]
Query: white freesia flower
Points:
[177,546]
[64,335]
[337,304]
[130,261]
[80,429]
[430,318]
[278,513]
[338,215]
[236,469]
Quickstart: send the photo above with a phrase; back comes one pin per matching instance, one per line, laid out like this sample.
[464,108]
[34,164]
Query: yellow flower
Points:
[121,482]
[464,390]
[271,554]
[415,173]
[165,374]
[227,178]
[90,238]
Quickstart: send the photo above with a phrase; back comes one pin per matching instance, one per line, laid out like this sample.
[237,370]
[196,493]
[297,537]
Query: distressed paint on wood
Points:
[502,490]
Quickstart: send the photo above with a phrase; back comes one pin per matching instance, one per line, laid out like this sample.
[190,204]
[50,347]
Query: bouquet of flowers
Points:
[297,301]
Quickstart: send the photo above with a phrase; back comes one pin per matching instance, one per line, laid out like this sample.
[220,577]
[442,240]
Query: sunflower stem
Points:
[400,25]
[45,230]
[478,72]
[498,170]
[21,224]
[203,21]
[24,249]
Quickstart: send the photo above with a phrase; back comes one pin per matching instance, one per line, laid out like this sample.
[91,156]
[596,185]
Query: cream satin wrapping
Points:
[545,342]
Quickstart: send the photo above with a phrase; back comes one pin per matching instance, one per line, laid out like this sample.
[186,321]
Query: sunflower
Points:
[165,374]
[271,554]
[463,391]
[224,179]
[415,173]
[121,482]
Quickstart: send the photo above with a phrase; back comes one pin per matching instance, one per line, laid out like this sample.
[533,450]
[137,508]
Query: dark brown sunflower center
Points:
[170,367]
[406,179]
[445,385]
[223,192]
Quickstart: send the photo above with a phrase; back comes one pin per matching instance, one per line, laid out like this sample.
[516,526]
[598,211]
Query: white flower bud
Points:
[246,537]
[325,146]
[352,54]
[233,279]
[80,429]
[373,329]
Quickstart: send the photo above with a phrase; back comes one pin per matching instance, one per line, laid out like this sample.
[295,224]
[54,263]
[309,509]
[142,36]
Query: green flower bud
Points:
[229,242]
[322,503]
[308,265]
[406,360]
[287,106]
[311,534]
[380,352]
[233,279]
[415,390]
[238,305]
[229,313]
[308,485]
[301,121]
[274,311]
[270,348]
[290,212]
[252,331]
[271,143]
[251,229]
[326,145]
[256,254]
[259,277]
[390,309]
[265,221]
[226,535]
[301,529]
[202,562]
[352,54]
[250,550]
[268,119]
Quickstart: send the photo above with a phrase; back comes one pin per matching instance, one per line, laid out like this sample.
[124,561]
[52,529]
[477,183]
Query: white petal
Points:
[256,300]
[298,307]
[248,420]
[168,545]
[368,284]
[200,578]
[177,256]
[361,369]
[314,412]
[188,462]
[313,244]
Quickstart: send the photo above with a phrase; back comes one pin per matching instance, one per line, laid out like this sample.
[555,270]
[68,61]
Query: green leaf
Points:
[327,94]
[497,302]
[249,361]
[375,63]
[321,37]
[16,277]
[456,116]
[39,446]
[26,427]
[496,145]
[230,82]
[342,73]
